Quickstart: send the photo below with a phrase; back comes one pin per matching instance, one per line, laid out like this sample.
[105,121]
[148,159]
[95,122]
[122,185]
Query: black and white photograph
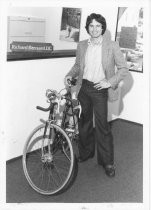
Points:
[70,24]
[130,36]
[75,105]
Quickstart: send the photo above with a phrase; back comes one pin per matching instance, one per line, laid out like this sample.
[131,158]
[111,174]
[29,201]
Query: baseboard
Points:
[127,121]
[111,123]
[13,159]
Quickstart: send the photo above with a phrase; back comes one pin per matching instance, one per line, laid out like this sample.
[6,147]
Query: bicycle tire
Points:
[40,175]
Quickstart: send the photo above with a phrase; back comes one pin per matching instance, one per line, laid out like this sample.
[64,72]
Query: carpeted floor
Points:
[91,184]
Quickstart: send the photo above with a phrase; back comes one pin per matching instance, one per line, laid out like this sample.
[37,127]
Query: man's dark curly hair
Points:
[99,18]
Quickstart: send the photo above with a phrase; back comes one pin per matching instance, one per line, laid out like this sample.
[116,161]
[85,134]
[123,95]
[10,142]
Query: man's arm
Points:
[74,72]
[122,69]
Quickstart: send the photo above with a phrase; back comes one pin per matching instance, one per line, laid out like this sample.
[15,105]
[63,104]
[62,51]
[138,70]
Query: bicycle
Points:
[49,163]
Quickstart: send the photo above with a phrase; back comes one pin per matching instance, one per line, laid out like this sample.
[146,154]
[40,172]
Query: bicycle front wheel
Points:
[48,164]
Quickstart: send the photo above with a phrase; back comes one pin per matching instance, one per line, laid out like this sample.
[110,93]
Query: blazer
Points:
[111,57]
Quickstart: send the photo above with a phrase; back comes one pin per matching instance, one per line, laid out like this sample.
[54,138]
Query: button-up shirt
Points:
[93,70]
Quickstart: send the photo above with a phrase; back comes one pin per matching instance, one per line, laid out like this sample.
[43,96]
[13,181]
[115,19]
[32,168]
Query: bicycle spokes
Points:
[48,162]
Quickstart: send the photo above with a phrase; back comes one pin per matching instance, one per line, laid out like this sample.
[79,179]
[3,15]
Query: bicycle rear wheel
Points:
[48,166]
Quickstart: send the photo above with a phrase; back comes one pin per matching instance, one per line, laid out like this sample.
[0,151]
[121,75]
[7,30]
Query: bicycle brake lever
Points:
[43,121]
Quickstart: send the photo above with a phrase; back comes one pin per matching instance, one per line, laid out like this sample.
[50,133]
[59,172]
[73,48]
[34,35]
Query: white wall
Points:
[133,102]
[25,82]
[25,86]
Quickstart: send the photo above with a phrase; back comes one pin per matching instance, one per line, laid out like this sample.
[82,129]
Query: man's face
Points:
[95,29]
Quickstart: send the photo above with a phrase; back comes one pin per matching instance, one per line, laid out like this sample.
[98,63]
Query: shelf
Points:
[15,56]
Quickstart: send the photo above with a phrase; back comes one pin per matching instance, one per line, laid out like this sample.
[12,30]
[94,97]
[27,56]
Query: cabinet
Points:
[26,29]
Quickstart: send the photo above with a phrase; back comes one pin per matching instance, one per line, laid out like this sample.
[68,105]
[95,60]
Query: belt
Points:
[91,84]
[87,82]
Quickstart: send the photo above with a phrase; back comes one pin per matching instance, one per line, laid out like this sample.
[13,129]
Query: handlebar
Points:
[43,109]
[52,95]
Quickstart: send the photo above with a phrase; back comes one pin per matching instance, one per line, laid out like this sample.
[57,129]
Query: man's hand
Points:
[102,84]
[66,83]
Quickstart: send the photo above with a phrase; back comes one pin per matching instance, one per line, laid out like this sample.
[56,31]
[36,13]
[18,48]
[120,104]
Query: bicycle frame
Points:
[51,119]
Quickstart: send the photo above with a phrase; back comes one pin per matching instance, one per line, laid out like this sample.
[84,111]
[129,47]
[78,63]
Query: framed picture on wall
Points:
[129,34]
[70,24]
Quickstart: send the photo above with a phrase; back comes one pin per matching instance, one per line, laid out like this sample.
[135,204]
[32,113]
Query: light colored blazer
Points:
[111,57]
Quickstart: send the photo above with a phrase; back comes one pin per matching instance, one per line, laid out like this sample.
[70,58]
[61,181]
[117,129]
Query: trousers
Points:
[94,128]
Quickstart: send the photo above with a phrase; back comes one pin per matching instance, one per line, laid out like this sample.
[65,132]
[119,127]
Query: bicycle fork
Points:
[46,150]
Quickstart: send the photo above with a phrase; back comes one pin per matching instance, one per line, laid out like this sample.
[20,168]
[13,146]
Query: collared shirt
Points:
[93,70]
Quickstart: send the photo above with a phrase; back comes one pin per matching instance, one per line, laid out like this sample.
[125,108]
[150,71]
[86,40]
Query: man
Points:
[97,81]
